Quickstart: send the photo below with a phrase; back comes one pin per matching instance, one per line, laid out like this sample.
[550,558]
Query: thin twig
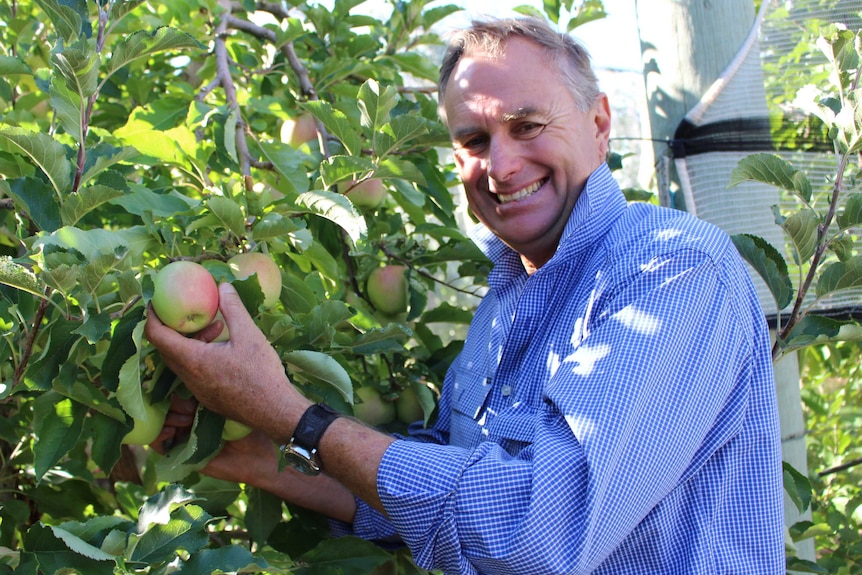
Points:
[842,467]
[30,339]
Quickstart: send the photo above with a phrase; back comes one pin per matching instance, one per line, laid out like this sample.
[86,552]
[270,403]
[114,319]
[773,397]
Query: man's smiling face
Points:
[523,147]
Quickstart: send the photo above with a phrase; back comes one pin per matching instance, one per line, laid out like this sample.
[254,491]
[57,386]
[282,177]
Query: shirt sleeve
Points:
[656,386]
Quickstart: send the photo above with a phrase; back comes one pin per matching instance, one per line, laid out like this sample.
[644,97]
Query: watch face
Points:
[300,460]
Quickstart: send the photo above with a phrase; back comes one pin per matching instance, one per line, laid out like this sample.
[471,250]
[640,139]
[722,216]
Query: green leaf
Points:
[337,209]
[227,559]
[141,200]
[589,11]
[388,339]
[44,151]
[840,276]
[262,514]
[228,213]
[851,213]
[318,368]
[58,422]
[38,200]
[337,124]
[86,200]
[343,168]
[54,556]
[103,156]
[815,329]
[769,264]
[143,44]
[19,277]
[158,508]
[345,556]
[802,228]
[447,313]
[41,373]
[78,67]
[186,530]
[230,133]
[121,348]
[288,162]
[773,170]
[80,546]
[797,565]
[69,108]
[65,19]
[130,392]
[376,105]
[797,487]
[391,167]
[10,65]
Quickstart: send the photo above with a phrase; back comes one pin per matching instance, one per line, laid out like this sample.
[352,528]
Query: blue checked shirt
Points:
[613,413]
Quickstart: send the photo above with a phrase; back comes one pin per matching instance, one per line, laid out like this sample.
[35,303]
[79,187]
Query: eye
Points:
[529,129]
[474,143]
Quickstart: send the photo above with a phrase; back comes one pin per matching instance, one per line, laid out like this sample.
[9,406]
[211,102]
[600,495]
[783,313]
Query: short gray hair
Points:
[490,37]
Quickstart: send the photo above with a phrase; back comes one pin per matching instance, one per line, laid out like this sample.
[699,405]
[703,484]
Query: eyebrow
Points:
[521,112]
[518,114]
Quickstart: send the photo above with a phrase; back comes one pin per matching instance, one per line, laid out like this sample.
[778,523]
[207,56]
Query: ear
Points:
[602,120]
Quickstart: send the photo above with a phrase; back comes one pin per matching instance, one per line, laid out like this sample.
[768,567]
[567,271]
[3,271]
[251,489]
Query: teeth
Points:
[528,191]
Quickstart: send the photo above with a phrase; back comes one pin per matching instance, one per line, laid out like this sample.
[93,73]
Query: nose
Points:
[504,159]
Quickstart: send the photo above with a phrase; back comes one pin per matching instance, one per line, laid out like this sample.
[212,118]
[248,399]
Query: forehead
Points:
[521,78]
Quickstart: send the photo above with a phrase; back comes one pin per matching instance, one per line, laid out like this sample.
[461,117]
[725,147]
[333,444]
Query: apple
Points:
[185,296]
[268,273]
[407,407]
[146,430]
[365,194]
[371,408]
[224,334]
[299,130]
[234,430]
[387,289]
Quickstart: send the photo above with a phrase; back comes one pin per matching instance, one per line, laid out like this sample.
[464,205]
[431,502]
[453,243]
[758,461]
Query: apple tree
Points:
[136,133]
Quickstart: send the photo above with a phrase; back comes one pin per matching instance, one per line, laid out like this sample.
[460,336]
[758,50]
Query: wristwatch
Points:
[301,451]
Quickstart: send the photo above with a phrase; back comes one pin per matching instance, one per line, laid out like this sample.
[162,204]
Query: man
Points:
[613,408]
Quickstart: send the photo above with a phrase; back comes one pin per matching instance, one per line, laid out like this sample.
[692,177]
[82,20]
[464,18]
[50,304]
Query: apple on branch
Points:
[372,408]
[268,273]
[299,130]
[147,429]
[387,289]
[364,194]
[185,296]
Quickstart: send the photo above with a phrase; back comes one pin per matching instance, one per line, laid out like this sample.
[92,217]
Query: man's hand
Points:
[242,379]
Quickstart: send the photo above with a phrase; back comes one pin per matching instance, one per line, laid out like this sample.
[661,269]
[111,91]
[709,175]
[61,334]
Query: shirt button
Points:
[506,390]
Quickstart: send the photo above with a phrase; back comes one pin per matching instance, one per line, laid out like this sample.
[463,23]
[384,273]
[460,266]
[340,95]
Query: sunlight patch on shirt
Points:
[654,264]
[668,234]
[638,321]
[554,363]
[586,357]
[580,425]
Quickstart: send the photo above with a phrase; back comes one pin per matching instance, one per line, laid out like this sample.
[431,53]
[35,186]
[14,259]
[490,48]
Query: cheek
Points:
[469,168]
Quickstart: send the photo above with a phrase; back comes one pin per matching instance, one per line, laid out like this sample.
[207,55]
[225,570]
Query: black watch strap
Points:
[312,425]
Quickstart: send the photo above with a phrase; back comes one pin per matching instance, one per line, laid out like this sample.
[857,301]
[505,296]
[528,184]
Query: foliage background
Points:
[134,133]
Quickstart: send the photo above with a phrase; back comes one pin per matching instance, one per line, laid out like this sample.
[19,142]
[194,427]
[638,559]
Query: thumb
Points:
[232,309]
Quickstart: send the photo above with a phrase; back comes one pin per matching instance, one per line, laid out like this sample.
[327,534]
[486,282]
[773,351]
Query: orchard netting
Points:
[751,109]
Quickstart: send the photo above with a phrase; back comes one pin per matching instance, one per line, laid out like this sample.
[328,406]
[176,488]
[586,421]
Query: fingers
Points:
[233,310]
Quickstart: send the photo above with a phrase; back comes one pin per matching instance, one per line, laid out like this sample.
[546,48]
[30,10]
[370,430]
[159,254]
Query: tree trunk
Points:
[686,46]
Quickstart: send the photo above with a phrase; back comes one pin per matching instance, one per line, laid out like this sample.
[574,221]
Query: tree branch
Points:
[306,88]
[226,80]
[842,467]
[30,339]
